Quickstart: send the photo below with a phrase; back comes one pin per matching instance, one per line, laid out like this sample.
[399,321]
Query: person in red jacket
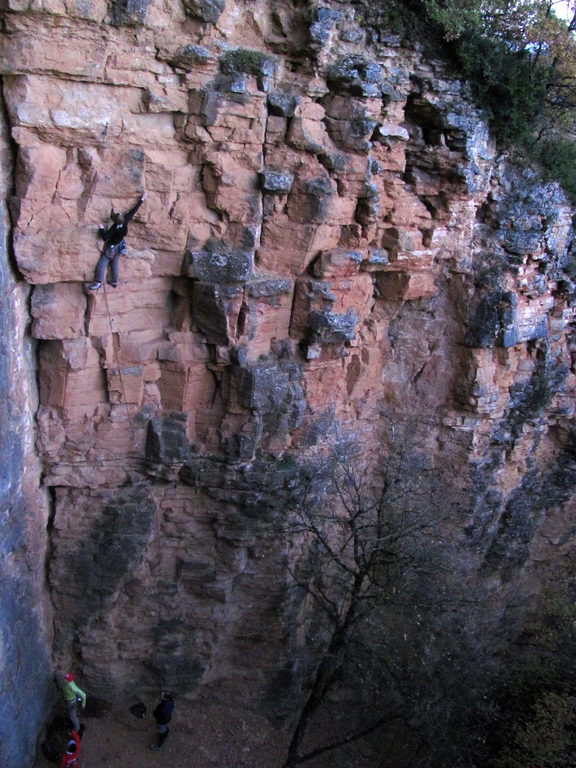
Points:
[70,759]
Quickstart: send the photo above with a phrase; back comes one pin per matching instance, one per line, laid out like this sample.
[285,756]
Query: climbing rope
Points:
[117,361]
[159,546]
[157,512]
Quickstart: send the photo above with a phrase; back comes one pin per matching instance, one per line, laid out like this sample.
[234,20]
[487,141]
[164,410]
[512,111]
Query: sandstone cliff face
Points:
[328,236]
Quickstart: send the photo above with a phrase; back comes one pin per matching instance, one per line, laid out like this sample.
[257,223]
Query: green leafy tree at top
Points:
[519,57]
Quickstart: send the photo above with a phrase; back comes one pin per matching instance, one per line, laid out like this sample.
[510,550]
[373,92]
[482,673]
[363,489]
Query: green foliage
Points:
[391,17]
[248,62]
[507,85]
[557,156]
[539,706]
[545,737]
[287,462]
[520,62]
[455,21]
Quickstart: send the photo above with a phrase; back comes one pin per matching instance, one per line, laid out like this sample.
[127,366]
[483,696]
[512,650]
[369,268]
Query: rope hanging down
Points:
[157,515]
[117,361]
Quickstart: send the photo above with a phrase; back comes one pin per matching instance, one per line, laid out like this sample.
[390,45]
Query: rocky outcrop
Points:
[328,236]
[25,632]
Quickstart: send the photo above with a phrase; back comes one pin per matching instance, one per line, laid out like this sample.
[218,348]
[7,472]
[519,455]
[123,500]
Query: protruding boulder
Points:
[166,441]
[273,393]
[331,327]
[277,182]
[338,262]
[310,200]
[248,62]
[323,21]
[190,56]
[215,310]
[206,10]
[405,286]
[356,75]
[221,266]
[128,13]
[282,104]
[350,122]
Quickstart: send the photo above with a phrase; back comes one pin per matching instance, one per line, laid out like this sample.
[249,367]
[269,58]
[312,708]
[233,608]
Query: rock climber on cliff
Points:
[72,696]
[114,246]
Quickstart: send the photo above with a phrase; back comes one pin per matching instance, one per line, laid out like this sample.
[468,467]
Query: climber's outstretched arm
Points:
[133,210]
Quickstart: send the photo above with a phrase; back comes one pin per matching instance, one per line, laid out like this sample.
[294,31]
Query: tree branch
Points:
[348,740]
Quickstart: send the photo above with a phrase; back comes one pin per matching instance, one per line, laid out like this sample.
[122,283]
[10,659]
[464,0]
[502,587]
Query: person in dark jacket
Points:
[163,715]
[114,246]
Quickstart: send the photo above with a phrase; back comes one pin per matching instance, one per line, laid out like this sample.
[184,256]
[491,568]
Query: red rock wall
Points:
[327,234]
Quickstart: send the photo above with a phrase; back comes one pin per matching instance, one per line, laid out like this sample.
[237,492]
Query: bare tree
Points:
[362,529]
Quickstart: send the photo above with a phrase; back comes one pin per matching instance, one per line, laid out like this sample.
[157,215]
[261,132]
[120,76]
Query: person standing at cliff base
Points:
[114,246]
[73,695]
[163,715]
[70,759]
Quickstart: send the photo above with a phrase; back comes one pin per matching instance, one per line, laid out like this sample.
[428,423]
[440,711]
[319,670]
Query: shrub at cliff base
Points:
[537,723]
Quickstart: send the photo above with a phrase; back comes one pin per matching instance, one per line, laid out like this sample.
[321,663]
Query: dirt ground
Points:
[200,737]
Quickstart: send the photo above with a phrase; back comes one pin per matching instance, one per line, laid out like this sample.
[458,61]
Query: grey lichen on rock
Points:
[331,327]
[323,21]
[484,323]
[356,75]
[221,266]
[166,441]
[128,13]
[190,56]
[273,392]
[349,123]
[352,135]
[268,287]
[206,10]
[276,182]
[282,104]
